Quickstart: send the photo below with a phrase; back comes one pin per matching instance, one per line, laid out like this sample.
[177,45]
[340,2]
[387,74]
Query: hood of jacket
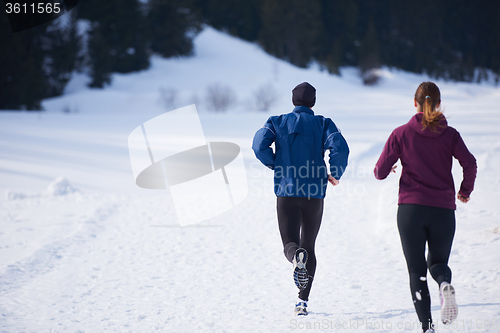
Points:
[416,124]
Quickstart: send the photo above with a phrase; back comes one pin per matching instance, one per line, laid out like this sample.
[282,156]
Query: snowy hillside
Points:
[83,249]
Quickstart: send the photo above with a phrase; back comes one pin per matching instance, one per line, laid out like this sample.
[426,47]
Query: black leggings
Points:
[299,220]
[417,226]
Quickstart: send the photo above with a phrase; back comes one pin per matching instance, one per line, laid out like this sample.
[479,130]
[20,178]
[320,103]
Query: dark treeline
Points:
[446,39]
[35,63]
[451,39]
[98,37]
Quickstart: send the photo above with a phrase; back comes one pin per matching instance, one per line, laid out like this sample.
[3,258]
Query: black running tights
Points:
[299,220]
[417,226]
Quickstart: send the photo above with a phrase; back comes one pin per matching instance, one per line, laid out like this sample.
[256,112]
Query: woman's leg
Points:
[312,213]
[411,225]
[441,233]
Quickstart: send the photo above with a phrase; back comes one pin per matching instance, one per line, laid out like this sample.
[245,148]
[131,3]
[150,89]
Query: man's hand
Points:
[333,181]
[462,198]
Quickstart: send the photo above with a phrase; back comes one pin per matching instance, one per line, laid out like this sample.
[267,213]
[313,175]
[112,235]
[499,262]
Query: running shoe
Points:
[300,275]
[449,308]
[301,308]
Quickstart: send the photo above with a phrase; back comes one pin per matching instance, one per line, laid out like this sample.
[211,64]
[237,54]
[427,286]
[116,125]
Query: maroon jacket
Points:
[426,157]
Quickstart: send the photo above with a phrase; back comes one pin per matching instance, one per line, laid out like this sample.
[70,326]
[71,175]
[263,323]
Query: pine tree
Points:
[292,30]
[238,17]
[117,39]
[172,25]
[100,58]
[369,50]
[61,48]
[338,47]
[22,80]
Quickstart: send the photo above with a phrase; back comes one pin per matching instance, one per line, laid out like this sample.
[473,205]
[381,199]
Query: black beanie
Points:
[304,94]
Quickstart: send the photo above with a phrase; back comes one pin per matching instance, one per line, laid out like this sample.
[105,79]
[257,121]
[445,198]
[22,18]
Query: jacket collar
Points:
[302,108]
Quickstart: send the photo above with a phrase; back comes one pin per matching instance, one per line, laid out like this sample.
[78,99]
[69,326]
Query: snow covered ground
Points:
[83,249]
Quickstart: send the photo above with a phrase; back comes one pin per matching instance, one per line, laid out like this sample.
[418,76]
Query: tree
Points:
[100,58]
[37,65]
[369,50]
[241,18]
[340,21]
[172,25]
[117,39]
[61,46]
[292,30]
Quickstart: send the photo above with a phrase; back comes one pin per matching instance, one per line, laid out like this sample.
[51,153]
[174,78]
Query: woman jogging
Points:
[300,179]
[426,213]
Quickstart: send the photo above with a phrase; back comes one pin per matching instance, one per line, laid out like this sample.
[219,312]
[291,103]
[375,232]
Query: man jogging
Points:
[301,139]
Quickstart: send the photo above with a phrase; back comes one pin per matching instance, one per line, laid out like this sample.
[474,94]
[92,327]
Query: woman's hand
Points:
[333,181]
[462,198]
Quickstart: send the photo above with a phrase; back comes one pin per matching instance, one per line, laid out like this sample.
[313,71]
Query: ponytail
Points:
[429,97]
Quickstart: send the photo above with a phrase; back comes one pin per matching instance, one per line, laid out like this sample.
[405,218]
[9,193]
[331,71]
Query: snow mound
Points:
[60,186]
[15,195]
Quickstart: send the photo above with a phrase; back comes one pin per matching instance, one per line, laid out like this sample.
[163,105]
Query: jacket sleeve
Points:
[390,155]
[468,163]
[339,150]
[262,144]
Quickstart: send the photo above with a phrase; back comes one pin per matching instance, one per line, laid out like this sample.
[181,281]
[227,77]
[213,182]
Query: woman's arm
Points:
[469,167]
[390,155]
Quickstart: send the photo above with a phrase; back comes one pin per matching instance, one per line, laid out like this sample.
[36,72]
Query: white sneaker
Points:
[300,275]
[301,308]
[449,308]
[430,330]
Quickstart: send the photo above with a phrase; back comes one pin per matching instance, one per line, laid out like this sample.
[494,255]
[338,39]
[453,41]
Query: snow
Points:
[83,249]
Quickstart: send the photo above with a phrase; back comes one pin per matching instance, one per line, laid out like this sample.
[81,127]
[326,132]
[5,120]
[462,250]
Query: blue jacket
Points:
[301,139]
